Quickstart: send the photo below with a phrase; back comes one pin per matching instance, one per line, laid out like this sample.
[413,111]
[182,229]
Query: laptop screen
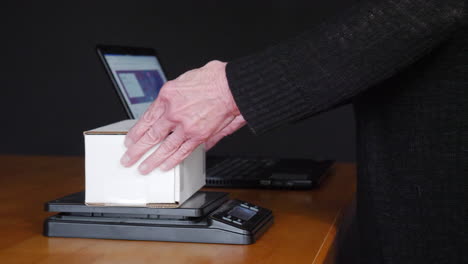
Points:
[139,78]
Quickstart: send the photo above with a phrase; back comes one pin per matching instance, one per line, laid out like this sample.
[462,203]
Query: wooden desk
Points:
[305,225]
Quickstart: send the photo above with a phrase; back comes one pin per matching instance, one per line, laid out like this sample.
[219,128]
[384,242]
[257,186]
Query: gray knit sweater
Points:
[404,66]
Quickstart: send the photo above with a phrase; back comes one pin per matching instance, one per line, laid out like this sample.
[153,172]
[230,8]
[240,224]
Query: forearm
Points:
[339,59]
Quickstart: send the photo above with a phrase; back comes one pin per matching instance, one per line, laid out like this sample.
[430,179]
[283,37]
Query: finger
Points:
[237,123]
[152,114]
[170,145]
[223,125]
[185,149]
[157,133]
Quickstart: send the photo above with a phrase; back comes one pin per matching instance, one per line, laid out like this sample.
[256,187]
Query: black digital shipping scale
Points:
[207,217]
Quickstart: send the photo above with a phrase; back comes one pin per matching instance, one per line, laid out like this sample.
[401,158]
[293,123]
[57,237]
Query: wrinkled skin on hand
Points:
[197,108]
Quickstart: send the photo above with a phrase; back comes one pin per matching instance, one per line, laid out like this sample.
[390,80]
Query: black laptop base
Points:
[207,217]
[266,173]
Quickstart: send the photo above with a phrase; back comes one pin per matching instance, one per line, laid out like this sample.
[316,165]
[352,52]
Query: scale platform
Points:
[207,217]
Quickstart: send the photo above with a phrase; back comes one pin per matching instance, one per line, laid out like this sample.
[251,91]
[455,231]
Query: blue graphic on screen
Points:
[140,85]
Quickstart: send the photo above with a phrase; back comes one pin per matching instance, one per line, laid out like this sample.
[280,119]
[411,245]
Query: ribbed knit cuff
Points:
[265,98]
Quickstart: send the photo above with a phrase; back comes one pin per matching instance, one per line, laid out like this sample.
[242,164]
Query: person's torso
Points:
[413,156]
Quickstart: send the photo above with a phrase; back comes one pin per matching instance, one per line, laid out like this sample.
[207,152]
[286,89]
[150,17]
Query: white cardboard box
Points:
[108,183]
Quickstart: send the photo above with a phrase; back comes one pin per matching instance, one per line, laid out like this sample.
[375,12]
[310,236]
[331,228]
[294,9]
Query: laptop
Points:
[137,77]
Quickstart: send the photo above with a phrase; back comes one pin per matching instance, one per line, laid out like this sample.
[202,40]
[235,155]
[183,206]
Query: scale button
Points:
[254,208]
[227,218]
[237,222]
[246,205]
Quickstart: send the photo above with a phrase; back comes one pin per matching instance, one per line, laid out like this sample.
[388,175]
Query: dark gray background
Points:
[54,87]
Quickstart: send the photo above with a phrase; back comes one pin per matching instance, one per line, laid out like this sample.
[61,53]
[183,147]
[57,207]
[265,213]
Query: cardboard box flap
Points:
[163,205]
[119,128]
[148,205]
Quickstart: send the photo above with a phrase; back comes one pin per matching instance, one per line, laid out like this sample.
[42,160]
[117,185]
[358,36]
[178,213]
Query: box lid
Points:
[119,128]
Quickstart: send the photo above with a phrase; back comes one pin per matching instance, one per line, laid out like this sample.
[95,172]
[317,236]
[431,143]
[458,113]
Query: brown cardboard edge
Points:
[148,205]
[105,132]
[95,204]
[163,205]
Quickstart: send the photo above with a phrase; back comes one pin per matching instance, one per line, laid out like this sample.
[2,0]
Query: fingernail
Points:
[125,160]
[143,169]
[128,142]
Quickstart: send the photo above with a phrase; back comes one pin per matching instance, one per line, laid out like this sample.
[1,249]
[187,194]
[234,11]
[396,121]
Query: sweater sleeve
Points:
[330,64]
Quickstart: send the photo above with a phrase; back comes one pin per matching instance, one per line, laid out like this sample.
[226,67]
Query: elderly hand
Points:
[197,108]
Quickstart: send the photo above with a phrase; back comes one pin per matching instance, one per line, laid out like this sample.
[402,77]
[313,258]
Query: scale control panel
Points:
[241,214]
